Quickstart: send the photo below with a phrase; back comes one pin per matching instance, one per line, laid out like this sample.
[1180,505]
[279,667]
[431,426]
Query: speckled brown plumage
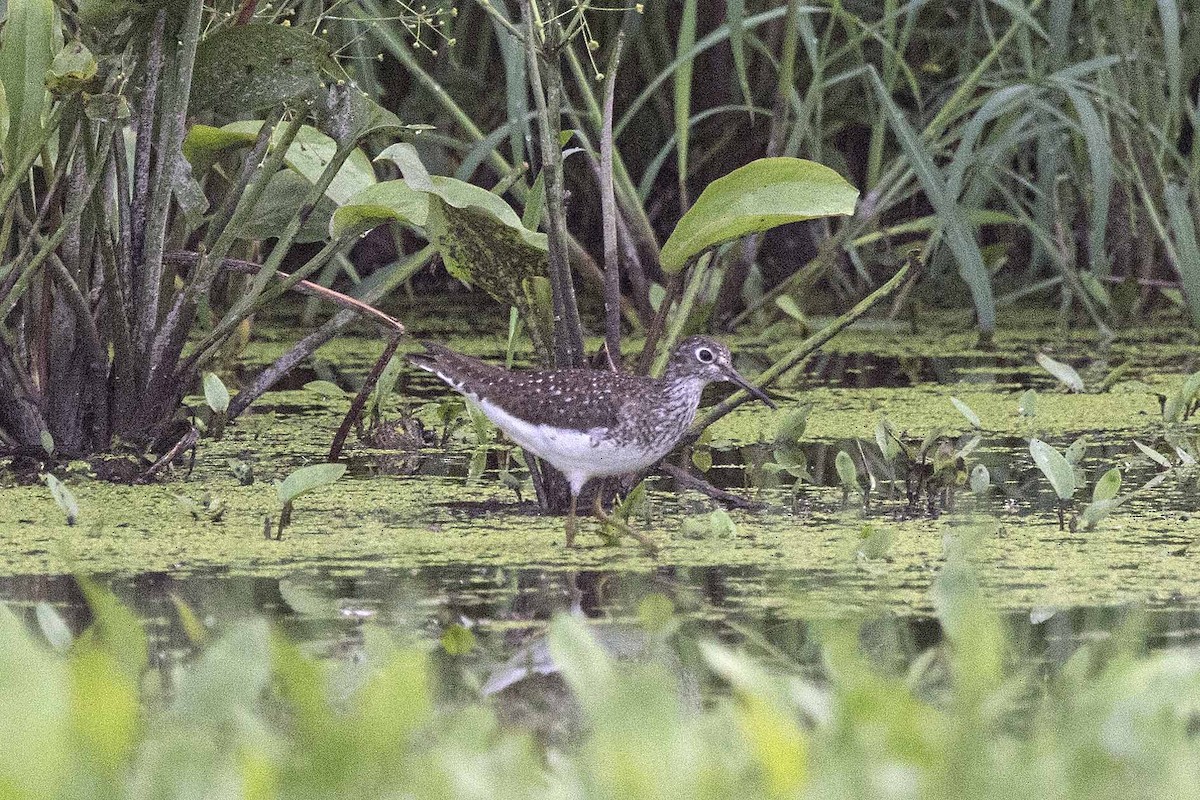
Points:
[627,422]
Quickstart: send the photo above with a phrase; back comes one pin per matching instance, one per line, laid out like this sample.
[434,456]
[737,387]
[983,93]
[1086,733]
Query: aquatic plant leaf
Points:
[53,627]
[283,199]
[490,250]
[72,70]
[1179,403]
[408,161]
[47,440]
[1153,455]
[788,306]
[1064,373]
[981,479]
[1095,511]
[874,543]
[387,201]
[757,197]
[253,67]
[885,439]
[970,447]
[348,114]
[195,630]
[1075,453]
[791,430]
[1055,467]
[721,524]
[1027,405]
[216,395]
[1108,486]
[308,154]
[326,389]
[847,471]
[457,640]
[967,413]
[306,479]
[63,498]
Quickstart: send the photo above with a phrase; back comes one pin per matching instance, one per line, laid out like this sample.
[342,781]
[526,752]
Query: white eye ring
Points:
[705,356]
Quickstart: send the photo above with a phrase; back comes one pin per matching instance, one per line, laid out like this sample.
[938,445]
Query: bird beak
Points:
[732,375]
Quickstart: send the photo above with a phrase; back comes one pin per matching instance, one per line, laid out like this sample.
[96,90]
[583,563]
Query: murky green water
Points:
[408,539]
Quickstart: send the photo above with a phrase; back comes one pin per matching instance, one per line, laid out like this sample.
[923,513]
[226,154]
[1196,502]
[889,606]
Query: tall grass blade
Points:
[735,16]
[683,97]
[955,227]
[1183,230]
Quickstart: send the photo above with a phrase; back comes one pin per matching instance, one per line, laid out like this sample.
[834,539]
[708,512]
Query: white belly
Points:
[579,456]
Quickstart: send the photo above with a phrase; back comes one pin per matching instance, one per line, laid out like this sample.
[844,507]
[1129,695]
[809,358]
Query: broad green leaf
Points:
[248,68]
[1108,486]
[1055,467]
[981,479]
[283,199]
[847,471]
[967,413]
[376,205]
[63,498]
[1075,453]
[1064,373]
[408,161]
[307,479]
[72,70]
[348,114]
[757,197]
[308,154]
[1153,455]
[26,52]
[492,251]
[216,395]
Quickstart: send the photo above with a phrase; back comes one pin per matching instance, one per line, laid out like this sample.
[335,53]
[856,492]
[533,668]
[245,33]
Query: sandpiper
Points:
[591,423]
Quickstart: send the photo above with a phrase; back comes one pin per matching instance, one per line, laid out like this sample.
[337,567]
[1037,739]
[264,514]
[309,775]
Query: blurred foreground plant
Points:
[252,715]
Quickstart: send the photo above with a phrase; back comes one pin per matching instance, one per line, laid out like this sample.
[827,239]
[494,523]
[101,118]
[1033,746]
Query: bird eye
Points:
[705,356]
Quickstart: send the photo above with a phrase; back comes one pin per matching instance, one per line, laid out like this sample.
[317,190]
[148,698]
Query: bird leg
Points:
[571,524]
[622,527]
